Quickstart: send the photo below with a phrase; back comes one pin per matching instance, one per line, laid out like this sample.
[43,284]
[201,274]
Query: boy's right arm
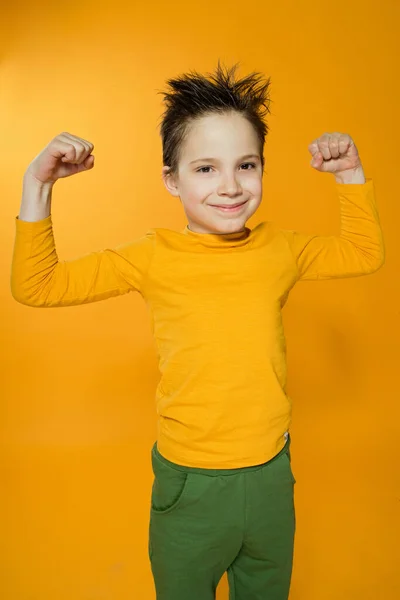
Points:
[38,278]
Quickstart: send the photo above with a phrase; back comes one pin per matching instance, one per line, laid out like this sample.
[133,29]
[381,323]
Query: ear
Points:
[170,181]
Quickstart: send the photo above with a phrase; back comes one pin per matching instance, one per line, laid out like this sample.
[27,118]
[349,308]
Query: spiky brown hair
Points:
[193,95]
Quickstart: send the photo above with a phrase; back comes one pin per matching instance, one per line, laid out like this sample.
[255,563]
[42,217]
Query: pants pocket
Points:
[169,486]
[289,464]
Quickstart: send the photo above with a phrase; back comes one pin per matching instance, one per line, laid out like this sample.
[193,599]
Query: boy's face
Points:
[220,168]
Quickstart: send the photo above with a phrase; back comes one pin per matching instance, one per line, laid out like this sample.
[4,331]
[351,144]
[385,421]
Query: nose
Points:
[229,185]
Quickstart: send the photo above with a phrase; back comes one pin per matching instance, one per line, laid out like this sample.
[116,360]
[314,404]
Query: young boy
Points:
[222,497]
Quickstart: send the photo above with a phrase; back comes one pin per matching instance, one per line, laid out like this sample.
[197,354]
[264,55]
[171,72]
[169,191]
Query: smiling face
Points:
[219,179]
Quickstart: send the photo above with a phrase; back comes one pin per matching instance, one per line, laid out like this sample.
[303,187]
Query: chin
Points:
[233,225]
[220,223]
[229,225]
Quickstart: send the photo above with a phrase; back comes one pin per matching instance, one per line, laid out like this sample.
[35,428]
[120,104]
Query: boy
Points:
[222,497]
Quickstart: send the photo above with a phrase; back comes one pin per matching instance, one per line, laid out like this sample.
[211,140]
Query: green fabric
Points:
[204,522]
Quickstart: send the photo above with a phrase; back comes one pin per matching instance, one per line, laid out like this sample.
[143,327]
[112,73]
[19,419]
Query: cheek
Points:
[255,187]
[197,192]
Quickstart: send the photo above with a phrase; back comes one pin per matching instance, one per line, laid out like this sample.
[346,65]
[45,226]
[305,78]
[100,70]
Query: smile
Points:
[229,208]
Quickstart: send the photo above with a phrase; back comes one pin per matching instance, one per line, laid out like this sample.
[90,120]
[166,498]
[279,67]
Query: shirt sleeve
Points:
[40,279]
[358,249]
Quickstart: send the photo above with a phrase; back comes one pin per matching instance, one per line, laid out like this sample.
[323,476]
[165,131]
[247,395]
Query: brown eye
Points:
[249,164]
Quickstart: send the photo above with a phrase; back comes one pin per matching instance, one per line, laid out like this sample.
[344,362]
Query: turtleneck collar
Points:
[218,240]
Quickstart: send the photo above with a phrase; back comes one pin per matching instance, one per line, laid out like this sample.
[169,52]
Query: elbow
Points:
[376,263]
[22,297]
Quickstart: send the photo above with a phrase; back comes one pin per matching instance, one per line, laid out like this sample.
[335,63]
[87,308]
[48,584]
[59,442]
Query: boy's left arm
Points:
[359,249]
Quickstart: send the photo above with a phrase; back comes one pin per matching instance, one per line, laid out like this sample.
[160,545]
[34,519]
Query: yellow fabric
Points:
[215,303]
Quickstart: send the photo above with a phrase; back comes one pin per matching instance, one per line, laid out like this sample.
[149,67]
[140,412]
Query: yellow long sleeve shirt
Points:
[215,305]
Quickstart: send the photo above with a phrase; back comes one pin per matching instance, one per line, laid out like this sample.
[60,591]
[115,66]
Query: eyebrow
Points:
[210,159]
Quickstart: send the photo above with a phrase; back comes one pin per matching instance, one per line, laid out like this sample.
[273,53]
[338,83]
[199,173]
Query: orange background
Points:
[77,384]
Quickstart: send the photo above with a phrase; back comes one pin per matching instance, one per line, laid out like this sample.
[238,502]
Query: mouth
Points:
[229,208]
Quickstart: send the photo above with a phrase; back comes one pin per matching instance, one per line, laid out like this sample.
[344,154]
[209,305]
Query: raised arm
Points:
[359,248]
[38,278]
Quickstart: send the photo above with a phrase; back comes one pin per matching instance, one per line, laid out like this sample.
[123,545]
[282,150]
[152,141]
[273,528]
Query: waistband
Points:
[201,471]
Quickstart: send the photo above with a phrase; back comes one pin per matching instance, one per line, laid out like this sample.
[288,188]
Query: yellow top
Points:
[215,302]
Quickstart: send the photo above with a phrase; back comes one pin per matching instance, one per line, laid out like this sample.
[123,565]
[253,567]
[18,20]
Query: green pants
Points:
[204,522]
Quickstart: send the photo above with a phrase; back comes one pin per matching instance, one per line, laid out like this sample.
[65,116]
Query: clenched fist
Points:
[334,152]
[65,155]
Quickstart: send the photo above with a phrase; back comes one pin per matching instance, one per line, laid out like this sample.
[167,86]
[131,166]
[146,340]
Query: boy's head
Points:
[213,136]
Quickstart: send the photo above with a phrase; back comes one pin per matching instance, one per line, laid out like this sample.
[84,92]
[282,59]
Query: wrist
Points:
[32,182]
[351,176]
[36,199]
